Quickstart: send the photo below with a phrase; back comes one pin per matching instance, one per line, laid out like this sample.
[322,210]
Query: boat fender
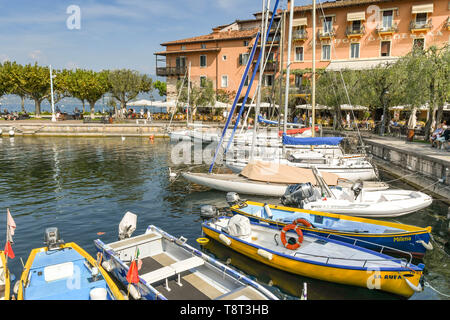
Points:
[265,254]
[427,246]
[98,294]
[268,211]
[16,287]
[134,292]
[225,239]
[417,288]
[107,265]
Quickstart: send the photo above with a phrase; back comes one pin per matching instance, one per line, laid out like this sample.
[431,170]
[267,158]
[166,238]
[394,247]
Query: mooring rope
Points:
[427,284]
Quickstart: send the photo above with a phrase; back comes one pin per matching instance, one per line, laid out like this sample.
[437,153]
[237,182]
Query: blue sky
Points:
[113,34]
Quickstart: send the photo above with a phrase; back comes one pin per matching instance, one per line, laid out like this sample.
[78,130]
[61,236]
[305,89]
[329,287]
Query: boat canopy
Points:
[281,173]
[333,141]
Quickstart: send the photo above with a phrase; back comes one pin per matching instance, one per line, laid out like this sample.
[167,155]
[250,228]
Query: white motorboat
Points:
[355,200]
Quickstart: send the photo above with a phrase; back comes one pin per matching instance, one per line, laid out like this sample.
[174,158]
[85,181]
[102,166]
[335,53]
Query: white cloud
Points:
[35,55]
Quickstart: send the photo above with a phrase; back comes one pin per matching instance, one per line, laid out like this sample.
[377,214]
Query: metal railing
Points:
[391,28]
[414,25]
[170,71]
[300,34]
[355,31]
[326,32]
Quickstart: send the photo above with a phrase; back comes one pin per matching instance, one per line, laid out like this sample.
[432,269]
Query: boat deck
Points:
[165,265]
[61,275]
[316,250]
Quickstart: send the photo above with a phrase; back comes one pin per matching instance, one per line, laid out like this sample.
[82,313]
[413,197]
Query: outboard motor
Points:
[52,238]
[299,194]
[356,188]
[208,211]
[233,198]
[127,225]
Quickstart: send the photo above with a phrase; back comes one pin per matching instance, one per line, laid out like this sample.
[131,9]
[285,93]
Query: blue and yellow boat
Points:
[366,232]
[315,256]
[64,271]
[5,278]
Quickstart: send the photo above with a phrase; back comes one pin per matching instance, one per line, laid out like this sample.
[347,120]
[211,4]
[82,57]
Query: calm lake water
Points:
[84,186]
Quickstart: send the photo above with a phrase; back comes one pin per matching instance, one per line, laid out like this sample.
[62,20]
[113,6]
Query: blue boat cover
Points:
[261,119]
[333,141]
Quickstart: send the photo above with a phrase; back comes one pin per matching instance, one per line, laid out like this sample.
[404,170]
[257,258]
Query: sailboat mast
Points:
[313,80]
[288,72]
[261,69]
[188,93]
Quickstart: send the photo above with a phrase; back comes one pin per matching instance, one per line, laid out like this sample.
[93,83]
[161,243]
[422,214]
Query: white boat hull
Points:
[375,204]
[235,183]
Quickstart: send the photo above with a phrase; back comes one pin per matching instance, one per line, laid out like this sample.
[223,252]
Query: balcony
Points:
[299,35]
[352,32]
[387,30]
[170,71]
[416,26]
[270,67]
[327,33]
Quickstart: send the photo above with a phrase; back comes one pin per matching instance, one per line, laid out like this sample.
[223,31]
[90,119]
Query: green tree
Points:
[203,96]
[125,85]
[32,80]
[96,86]
[161,87]
[379,89]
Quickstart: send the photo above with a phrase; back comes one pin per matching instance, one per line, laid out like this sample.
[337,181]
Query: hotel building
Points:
[354,34]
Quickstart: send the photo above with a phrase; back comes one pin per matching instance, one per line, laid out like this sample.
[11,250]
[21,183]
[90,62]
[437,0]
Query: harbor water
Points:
[84,186]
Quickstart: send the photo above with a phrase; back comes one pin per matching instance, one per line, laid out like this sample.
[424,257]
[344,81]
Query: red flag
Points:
[9,251]
[132,275]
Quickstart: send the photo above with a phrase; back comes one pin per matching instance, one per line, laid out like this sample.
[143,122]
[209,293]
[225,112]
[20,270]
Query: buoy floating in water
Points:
[151,137]
[11,132]
[202,241]
[123,138]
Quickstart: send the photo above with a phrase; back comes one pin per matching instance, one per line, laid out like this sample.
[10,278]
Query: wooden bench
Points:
[171,270]
[184,265]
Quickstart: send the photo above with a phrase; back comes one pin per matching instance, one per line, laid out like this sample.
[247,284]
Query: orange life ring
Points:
[305,222]
[283,236]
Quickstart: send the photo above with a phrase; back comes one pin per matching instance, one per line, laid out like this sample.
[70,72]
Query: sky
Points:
[110,34]
[114,34]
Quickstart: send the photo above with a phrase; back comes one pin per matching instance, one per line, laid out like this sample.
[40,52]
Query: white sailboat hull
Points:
[236,183]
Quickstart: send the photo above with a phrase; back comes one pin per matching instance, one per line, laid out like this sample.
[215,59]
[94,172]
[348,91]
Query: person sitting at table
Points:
[435,134]
[443,138]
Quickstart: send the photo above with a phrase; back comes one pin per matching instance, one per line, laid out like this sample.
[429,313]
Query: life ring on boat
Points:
[297,229]
[304,222]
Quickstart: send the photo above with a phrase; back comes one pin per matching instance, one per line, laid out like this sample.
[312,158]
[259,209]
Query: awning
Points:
[355,16]
[280,173]
[359,64]
[422,8]
[300,22]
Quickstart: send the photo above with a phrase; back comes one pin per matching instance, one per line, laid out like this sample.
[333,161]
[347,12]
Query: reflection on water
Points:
[85,185]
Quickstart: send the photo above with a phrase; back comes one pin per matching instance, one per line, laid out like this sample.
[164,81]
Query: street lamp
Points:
[51,89]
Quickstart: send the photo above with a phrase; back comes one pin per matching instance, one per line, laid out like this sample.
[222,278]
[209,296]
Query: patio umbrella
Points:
[412,119]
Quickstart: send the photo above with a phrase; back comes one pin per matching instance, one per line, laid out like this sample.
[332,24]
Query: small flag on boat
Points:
[139,261]
[10,226]
[132,275]
[9,251]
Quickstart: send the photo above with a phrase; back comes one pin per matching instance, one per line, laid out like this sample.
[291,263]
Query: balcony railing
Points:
[387,29]
[351,31]
[170,71]
[414,25]
[326,33]
[299,35]
[270,67]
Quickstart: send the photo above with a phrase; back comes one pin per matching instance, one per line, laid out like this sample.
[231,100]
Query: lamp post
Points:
[51,89]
